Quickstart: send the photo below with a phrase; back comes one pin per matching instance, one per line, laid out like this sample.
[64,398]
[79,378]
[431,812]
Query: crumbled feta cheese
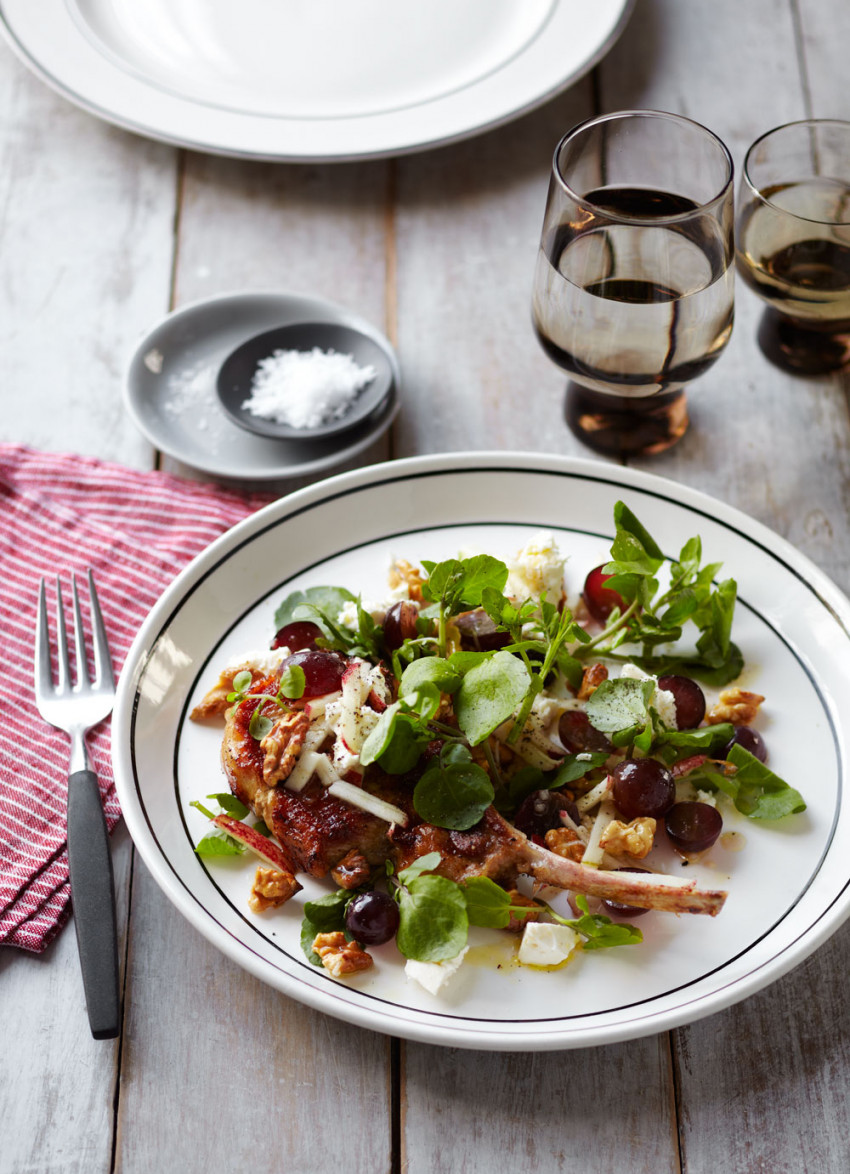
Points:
[665,707]
[265,661]
[536,568]
[584,757]
[347,617]
[433,976]
[398,594]
[544,944]
[706,797]
[633,673]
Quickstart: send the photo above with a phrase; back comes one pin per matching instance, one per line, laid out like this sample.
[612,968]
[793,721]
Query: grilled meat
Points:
[319,831]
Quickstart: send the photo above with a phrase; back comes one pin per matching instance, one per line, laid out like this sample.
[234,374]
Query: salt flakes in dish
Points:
[305,389]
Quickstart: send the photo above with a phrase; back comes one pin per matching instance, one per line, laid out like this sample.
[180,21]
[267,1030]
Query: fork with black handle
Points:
[76,707]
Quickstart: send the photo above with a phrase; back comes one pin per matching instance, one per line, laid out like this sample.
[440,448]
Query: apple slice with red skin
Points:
[266,849]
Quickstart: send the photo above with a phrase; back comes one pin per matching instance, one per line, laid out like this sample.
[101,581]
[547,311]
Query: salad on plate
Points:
[480,749]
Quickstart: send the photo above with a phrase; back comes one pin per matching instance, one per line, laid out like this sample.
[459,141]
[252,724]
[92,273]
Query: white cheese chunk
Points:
[433,976]
[265,661]
[662,700]
[544,944]
[536,568]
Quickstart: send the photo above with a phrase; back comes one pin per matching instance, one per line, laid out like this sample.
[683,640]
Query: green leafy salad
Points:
[486,707]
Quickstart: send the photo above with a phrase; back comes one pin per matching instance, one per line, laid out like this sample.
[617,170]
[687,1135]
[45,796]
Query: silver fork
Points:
[76,707]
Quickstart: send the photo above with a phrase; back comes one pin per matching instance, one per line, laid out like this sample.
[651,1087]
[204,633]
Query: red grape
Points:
[689,698]
[478,633]
[693,827]
[625,910]
[322,670]
[400,624]
[599,599]
[541,811]
[578,736]
[372,918]
[296,636]
[750,739]
[643,787]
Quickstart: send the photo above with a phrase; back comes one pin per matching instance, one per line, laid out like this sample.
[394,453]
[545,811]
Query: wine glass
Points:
[794,242]
[633,290]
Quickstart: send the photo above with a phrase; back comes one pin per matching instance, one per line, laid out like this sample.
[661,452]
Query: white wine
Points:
[639,309]
[794,251]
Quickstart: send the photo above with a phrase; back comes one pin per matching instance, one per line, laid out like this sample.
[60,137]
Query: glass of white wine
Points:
[794,242]
[633,289]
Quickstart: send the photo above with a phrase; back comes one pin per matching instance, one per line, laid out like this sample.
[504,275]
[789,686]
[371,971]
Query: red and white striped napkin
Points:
[61,514]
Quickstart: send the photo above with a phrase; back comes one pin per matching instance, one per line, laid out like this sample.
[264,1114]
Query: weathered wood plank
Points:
[220,1071]
[86,221]
[321,231]
[57,1083]
[468,229]
[591,1111]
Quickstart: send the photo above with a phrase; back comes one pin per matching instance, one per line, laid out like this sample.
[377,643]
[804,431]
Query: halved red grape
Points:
[578,736]
[400,624]
[750,739]
[322,670]
[296,636]
[478,633]
[599,599]
[618,907]
[643,787]
[372,918]
[689,698]
[693,827]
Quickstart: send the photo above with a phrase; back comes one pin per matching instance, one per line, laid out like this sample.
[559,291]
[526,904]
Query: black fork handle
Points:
[93,899]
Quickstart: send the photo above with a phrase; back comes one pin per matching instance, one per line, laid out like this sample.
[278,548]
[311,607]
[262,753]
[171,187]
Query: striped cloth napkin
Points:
[60,514]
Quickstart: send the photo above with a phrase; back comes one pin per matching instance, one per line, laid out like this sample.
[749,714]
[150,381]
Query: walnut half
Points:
[340,957]
[736,706]
[564,842]
[282,745]
[629,839]
[272,888]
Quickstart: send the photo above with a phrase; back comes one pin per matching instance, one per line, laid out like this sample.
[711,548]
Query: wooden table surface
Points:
[101,233]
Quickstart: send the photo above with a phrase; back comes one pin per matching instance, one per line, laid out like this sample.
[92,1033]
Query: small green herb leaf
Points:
[453,795]
[293,681]
[230,804]
[328,599]
[489,695]
[433,924]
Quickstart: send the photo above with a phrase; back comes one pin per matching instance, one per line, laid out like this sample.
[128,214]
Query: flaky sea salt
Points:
[304,389]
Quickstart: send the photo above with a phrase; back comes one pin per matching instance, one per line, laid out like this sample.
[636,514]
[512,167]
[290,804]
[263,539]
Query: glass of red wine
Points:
[794,243]
[633,289]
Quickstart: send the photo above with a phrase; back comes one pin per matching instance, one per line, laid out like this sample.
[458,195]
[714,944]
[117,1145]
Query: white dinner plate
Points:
[170,387]
[788,886]
[310,79]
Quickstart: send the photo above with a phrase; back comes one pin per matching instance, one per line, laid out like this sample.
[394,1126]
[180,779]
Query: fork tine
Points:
[79,638]
[43,675]
[102,659]
[64,681]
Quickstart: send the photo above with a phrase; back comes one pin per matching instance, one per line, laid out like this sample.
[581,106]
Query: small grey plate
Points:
[236,376]
[170,388]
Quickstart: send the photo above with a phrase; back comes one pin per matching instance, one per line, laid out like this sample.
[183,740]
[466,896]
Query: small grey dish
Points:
[170,388]
[237,372]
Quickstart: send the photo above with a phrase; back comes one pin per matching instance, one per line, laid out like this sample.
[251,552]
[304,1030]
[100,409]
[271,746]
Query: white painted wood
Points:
[86,217]
[221,1072]
[57,1083]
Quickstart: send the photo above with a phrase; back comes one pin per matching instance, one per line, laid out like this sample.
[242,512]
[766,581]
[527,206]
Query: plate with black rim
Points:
[788,885]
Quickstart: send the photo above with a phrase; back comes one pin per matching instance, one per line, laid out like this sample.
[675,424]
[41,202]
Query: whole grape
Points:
[600,600]
[643,787]
[372,918]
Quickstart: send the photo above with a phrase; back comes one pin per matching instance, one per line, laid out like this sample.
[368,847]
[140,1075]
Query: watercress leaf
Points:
[327,599]
[433,670]
[424,700]
[219,843]
[404,748]
[293,681]
[681,608]
[620,705]
[426,863]
[480,572]
[261,827]
[626,521]
[433,922]
[576,766]
[230,804]
[325,915]
[710,669]
[381,734]
[442,579]
[489,694]
[453,796]
[462,662]
[757,791]
[643,740]
[601,932]
[259,725]
[487,904]
[520,785]
[242,682]
[722,611]
[709,740]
